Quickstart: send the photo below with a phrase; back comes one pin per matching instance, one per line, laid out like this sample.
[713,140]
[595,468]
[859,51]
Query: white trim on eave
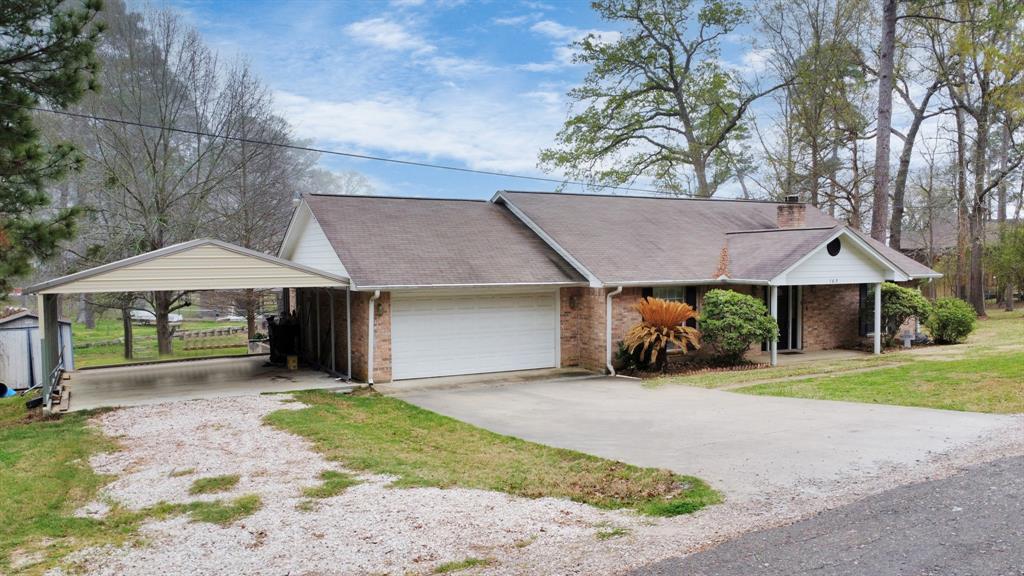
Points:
[899,274]
[593,280]
[302,218]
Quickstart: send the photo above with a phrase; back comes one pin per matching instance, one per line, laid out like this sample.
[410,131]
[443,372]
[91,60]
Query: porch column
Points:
[878,318]
[773,306]
[49,313]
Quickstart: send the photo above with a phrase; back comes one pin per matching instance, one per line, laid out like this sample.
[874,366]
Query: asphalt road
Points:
[971,524]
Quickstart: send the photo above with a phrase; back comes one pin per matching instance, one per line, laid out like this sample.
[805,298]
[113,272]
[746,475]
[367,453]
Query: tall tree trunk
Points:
[880,210]
[86,313]
[899,190]
[126,324]
[161,309]
[700,170]
[814,177]
[976,280]
[961,205]
[251,303]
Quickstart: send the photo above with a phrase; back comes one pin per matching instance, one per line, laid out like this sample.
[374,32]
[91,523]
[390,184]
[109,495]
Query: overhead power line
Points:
[330,152]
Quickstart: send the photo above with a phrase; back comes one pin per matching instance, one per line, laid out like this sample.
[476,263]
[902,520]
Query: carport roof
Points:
[202,264]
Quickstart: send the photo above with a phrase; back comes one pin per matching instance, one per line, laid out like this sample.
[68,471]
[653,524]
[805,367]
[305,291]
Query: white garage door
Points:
[471,334]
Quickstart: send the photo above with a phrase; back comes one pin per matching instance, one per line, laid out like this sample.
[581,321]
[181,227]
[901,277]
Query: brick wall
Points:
[830,316]
[569,325]
[382,335]
[583,325]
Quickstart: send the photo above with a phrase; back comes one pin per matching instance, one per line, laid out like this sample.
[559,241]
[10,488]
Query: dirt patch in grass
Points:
[388,436]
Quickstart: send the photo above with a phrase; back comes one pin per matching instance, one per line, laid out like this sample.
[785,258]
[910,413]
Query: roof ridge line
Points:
[785,229]
[386,197]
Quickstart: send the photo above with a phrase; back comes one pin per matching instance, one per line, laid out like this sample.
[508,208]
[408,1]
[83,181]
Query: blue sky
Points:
[473,84]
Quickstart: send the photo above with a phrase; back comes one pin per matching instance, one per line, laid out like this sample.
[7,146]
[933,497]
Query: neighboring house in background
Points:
[935,242]
[536,280]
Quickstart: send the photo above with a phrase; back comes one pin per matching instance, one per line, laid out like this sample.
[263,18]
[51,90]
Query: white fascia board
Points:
[301,211]
[390,287]
[898,275]
[699,282]
[592,279]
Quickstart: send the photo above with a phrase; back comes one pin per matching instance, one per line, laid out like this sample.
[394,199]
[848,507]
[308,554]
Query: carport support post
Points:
[49,311]
[773,305]
[878,318]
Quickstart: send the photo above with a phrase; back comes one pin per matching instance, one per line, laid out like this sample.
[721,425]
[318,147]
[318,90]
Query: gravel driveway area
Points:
[372,528]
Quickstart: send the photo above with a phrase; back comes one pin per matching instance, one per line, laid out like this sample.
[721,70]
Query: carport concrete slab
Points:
[135,385]
[743,445]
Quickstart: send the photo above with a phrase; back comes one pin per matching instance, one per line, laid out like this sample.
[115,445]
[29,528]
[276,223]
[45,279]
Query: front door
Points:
[789,307]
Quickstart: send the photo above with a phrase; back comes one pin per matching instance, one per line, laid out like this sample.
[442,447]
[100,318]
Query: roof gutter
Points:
[370,343]
[608,330]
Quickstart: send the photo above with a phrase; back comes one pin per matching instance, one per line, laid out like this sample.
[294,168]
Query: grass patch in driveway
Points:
[333,483]
[216,512]
[214,484]
[449,567]
[388,436]
[989,384]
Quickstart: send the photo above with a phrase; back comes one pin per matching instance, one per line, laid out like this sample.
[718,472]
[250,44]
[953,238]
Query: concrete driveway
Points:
[743,445]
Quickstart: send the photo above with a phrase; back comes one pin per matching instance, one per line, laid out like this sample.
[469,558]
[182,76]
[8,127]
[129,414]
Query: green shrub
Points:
[899,304]
[639,360]
[950,320]
[731,322]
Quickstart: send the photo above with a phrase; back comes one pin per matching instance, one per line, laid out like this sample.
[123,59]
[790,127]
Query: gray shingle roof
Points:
[629,239]
[419,242]
[764,254]
[390,242]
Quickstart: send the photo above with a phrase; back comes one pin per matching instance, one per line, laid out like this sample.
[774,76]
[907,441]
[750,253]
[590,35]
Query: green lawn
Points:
[984,374]
[145,348]
[387,436]
[993,384]
[45,476]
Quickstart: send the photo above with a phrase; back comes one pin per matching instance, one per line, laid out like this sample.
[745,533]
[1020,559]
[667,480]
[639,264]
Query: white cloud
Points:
[387,34]
[484,130]
[513,20]
[752,62]
[456,66]
[562,35]
[557,31]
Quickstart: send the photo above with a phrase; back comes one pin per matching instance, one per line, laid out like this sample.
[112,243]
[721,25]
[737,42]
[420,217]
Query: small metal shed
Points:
[20,355]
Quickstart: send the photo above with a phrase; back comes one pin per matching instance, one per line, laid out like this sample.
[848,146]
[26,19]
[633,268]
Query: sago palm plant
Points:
[663,323]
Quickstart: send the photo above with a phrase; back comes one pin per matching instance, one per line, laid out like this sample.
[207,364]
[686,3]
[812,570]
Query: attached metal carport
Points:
[190,266]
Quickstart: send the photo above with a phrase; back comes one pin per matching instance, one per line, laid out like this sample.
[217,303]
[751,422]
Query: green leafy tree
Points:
[899,304]
[46,57]
[658,102]
[1005,260]
[731,322]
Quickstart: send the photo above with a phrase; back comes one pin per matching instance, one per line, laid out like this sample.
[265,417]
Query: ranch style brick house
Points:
[538,280]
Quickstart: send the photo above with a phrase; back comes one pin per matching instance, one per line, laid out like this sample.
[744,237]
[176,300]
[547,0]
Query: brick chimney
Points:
[792,214]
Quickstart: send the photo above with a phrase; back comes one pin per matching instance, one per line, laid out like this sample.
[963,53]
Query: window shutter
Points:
[646,292]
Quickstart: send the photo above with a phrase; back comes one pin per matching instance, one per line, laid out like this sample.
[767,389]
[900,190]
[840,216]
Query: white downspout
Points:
[608,330]
[348,332]
[370,343]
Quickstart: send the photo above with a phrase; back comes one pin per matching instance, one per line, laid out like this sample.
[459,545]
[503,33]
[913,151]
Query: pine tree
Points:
[46,59]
